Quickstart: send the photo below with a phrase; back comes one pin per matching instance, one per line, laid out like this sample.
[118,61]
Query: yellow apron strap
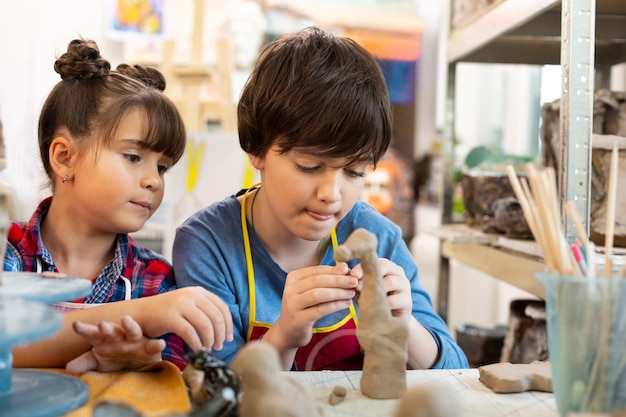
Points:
[250,267]
[248,251]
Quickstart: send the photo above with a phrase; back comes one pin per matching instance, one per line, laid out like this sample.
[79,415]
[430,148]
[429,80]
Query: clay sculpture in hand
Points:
[384,338]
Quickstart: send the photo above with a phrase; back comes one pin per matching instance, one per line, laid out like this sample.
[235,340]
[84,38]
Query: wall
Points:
[428,114]
[32,34]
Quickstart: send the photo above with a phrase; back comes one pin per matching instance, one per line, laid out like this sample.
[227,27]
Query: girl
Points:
[107,138]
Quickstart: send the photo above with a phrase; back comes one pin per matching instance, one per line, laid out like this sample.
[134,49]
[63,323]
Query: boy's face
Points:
[308,194]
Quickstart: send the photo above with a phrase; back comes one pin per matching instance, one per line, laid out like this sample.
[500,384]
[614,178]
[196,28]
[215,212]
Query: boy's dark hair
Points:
[318,91]
[91,100]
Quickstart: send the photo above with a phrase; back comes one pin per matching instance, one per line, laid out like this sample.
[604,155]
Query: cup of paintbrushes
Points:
[586,326]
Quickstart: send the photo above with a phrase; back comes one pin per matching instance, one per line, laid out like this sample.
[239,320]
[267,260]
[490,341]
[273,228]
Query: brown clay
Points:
[427,401]
[517,377]
[267,391]
[384,338]
[337,395]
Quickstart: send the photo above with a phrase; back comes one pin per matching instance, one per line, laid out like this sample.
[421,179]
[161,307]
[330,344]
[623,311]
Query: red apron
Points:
[334,347]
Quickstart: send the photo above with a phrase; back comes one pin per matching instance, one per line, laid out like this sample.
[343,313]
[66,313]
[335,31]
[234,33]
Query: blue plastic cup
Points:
[586,325]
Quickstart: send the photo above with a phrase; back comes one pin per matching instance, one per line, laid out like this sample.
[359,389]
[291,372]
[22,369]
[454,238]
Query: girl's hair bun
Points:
[81,61]
[150,76]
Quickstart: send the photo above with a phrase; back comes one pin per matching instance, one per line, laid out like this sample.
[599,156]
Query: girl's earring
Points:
[65,178]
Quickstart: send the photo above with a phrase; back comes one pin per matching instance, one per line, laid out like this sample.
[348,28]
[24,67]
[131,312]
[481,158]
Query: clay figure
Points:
[266,390]
[384,338]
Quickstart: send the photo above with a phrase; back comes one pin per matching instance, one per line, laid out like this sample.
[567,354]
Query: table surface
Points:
[473,398]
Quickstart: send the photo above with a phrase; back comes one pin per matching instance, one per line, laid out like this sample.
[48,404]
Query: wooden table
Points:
[473,398]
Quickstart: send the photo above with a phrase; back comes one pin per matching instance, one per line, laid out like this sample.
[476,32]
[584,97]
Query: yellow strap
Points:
[333,238]
[250,267]
[246,245]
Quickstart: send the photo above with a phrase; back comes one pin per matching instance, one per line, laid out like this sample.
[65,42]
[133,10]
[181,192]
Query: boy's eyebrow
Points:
[324,155]
[317,154]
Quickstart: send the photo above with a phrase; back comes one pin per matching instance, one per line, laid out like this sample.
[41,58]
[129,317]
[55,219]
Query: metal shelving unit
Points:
[586,37]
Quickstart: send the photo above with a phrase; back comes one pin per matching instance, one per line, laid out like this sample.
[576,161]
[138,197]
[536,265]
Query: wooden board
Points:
[473,398]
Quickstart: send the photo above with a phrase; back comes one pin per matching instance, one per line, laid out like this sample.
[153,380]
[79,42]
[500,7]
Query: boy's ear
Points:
[256,161]
[62,156]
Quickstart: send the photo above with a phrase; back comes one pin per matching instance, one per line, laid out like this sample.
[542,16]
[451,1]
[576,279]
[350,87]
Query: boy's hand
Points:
[397,286]
[310,294]
[115,347]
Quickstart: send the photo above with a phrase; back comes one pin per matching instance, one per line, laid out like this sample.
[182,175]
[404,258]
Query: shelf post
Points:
[447,186]
[576,107]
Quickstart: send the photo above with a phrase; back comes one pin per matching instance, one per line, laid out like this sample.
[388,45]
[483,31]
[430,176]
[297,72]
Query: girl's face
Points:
[306,193]
[124,185]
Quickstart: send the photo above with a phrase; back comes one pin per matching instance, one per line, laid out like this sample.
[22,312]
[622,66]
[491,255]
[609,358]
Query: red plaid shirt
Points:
[148,272]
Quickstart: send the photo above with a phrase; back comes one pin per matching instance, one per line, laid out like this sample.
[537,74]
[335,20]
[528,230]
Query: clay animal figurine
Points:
[384,338]
[266,391]
[214,387]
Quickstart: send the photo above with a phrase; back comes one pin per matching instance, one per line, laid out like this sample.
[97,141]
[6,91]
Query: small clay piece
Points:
[384,338]
[266,390]
[507,377]
[337,395]
[427,401]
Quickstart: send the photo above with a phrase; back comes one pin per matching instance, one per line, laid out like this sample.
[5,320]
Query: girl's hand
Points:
[397,286]
[196,315]
[310,294]
[115,347]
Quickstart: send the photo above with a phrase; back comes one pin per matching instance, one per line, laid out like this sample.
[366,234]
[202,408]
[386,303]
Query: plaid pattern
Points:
[148,272]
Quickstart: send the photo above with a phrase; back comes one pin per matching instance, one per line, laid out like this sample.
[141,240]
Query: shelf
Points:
[514,261]
[513,269]
[508,260]
[480,33]
[584,37]
[529,32]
